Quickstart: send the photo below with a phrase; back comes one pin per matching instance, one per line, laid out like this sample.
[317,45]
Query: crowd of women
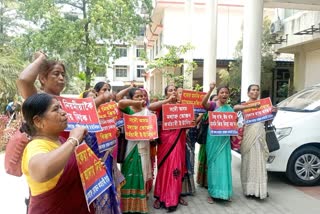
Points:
[50,167]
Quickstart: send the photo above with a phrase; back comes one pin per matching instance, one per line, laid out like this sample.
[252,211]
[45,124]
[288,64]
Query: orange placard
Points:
[110,109]
[177,116]
[261,114]
[107,138]
[140,127]
[94,177]
[194,98]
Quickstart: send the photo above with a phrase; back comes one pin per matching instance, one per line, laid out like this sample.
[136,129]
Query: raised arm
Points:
[102,98]
[157,105]
[124,92]
[205,99]
[28,76]
[122,104]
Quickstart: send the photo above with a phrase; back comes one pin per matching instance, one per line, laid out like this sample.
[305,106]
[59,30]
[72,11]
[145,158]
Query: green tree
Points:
[82,32]
[232,76]
[10,67]
[171,63]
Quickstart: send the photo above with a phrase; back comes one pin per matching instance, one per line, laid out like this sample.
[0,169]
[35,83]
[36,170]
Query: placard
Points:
[140,127]
[194,98]
[107,137]
[177,116]
[94,177]
[223,123]
[110,109]
[261,114]
[80,112]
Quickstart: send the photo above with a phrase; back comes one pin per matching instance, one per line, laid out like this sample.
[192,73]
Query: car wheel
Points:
[304,166]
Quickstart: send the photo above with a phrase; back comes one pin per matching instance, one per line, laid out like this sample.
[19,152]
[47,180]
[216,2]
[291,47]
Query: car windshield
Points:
[307,100]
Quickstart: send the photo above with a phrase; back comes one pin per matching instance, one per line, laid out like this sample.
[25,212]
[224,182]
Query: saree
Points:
[136,168]
[254,153]
[188,187]
[171,166]
[108,202]
[202,179]
[218,150]
[66,197]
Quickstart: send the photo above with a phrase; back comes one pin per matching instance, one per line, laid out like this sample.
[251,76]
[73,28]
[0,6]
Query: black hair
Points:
[250,86]
[132,91]
[35,105]
[86,93]
[212,96]
[166,89]
[99,85]
[221,87]
[47,66]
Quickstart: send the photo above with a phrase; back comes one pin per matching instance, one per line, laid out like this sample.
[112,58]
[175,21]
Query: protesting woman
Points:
[171,156]
[254,152]
[202,174]
[52,77]
[136,167]
[109,201]
[49,166]
[218,150]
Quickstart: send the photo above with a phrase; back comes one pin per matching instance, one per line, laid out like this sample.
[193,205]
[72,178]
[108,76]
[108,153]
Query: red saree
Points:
[67,197]
[168,185]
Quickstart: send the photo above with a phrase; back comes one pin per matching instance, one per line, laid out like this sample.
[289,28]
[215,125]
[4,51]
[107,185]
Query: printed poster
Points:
[194,98]
[223,123]
[140,127]
[110,109]
[94,177]
[80,112]
[261,114]
[107,137]
[177,116]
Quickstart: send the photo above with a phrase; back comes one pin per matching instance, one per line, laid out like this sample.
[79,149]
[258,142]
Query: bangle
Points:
[72,140]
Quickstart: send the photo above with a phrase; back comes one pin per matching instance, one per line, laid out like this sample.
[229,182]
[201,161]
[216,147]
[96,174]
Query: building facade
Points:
[298,32]
[179,22]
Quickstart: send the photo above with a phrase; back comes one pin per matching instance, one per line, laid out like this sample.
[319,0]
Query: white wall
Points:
[312,68]
[229,29]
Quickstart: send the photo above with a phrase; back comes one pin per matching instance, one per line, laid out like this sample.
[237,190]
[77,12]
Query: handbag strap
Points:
[170,150]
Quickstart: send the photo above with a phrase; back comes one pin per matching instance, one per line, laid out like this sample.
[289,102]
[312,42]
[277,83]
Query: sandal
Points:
[157,204]
[210,200]
[183,202]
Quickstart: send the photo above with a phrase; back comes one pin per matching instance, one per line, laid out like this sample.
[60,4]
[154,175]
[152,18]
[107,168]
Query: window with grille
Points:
[121,71]
[140,70]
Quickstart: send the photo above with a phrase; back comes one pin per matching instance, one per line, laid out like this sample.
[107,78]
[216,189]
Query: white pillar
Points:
[209,65]
[187,73]
[251,52]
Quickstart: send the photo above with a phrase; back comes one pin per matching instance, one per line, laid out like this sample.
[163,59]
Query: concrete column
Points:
[187,73]
[209,65]
[251,52]
[299,76]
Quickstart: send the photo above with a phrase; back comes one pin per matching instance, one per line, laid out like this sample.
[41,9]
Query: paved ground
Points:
[284,198]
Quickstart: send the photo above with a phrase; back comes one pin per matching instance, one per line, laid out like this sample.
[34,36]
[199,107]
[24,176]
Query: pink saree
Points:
[171,166]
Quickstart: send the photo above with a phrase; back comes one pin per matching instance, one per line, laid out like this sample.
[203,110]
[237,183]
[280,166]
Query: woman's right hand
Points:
[212,85]
[39,54]
[78,133]
[172,98]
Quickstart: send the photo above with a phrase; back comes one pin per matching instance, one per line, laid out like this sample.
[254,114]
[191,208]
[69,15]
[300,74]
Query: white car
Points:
[298,130]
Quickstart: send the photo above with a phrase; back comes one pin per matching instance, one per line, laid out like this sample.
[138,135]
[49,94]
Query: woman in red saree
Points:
[171,160]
